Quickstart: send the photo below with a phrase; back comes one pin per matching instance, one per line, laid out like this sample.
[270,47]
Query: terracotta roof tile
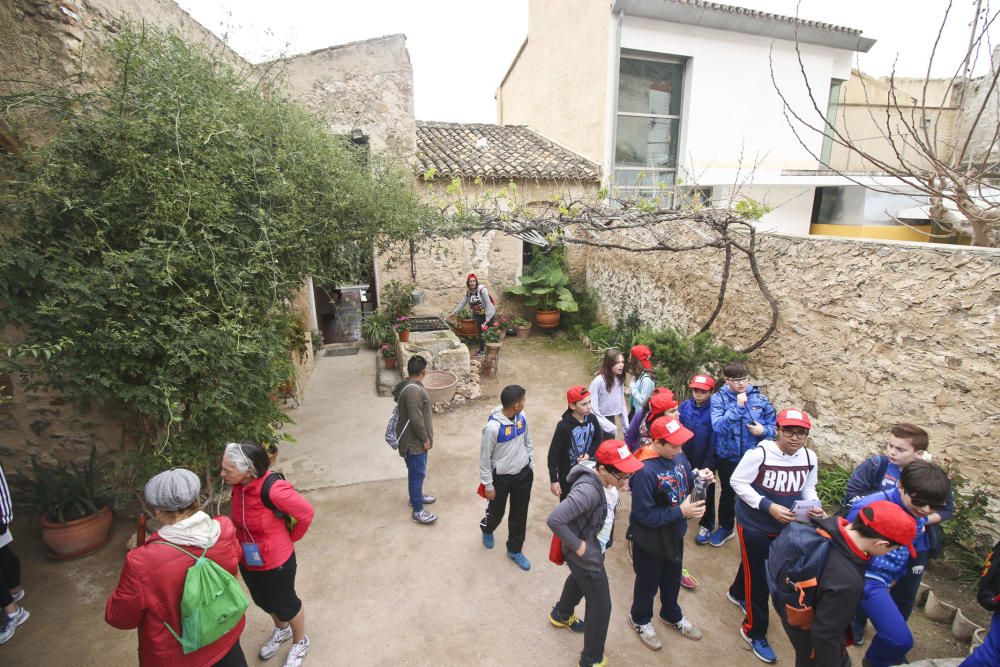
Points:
[496,152]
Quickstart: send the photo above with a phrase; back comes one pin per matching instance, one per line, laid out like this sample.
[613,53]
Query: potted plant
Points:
[545,289]
[72,501]
[375,328]
[494,333]
[402,327]
[389,356]
[523,327]
[467,323]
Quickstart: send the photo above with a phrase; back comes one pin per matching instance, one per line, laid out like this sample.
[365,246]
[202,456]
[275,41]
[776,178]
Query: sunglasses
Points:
[920,502]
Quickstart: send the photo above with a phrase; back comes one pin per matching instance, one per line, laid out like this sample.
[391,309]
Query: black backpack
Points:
[265,497]
[794,565]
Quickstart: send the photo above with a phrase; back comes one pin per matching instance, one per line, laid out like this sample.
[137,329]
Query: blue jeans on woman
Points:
[416,470]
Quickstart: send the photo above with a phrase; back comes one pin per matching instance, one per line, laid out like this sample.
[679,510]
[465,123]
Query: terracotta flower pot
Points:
[78,537]
[467,328]
[524,332]
[547,319]
[404,336]
[390,363]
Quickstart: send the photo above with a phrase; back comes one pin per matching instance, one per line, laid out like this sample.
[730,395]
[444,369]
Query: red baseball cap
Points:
[891,522]
[643,354]
[662,401]
[671,430]
[702,382]
[794,417]
[577,393]
[616,453]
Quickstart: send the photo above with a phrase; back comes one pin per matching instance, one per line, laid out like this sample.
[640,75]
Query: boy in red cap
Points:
[768,480]
[661,506]
[878,529]
[584,523]
[661,403]
[575,439]
[696,414]
[643,379]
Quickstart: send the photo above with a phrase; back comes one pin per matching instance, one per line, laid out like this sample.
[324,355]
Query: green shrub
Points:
[832,484]
[397,299]
[967,538]
[678,356]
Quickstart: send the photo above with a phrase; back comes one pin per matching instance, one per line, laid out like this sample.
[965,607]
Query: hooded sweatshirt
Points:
[506,446]
[841,586]
[581,516]
[571,440]
[414,406]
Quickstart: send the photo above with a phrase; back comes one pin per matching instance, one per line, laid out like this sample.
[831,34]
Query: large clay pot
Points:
[547,319]
[390,363]
[404,336]
[468,328]
[440,385]
[78,537]
[524,332]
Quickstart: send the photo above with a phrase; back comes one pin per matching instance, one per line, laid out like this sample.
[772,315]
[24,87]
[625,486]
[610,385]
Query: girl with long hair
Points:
[608,392]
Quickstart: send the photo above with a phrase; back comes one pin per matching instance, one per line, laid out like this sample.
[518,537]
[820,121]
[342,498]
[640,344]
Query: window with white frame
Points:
[647,128]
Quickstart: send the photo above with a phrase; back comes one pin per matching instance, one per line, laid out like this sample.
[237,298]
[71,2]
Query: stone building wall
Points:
[441,265]
[975,94]
[869,333]
[365,85]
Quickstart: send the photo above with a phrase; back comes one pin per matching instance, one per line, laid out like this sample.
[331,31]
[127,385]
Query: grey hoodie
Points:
[507,458]
[580,517]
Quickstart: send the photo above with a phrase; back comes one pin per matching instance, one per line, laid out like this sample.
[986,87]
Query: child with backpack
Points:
[922,490]
[643,379]
[987,654]
[907,443]
[661,506]
[267,538]
[575,439]
[662,403]
[815,573]
[768,481]
[584,523]
[151,594]
[696,415]
[479,300]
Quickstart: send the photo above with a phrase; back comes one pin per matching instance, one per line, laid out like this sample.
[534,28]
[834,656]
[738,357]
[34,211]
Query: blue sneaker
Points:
[739,603]
[519,558]
[574,623]
[720,536]
[703,534]
[760,648]
[488,540]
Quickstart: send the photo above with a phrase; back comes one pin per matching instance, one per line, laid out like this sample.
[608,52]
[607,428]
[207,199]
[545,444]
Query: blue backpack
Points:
[796,561]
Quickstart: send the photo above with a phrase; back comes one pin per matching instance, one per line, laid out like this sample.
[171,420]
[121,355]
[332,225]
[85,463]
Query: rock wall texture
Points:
[364,85]
[869,334]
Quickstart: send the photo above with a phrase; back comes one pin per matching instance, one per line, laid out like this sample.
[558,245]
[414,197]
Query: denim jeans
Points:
[416,470]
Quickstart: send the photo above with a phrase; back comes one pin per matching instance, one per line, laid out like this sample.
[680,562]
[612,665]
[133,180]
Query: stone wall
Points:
[869,333]
[364,85]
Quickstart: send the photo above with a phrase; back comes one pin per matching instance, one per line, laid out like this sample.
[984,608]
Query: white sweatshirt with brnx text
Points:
[766,475]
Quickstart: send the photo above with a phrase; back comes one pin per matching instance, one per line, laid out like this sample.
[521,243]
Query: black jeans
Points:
[518,487]
[593,586]
[708,518]
[651,575]
[234,658]
[10,575]
[727,497]
[750,584]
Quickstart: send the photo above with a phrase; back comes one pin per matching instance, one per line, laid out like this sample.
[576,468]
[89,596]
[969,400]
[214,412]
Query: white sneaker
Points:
[278,637]
[688,629]
[10,623]
[298,653]
[646,633]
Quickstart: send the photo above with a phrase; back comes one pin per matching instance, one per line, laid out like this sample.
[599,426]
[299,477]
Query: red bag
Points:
[482,491]
[555,551]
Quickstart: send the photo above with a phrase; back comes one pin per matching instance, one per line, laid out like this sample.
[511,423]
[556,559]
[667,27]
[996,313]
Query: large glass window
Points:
[647,128]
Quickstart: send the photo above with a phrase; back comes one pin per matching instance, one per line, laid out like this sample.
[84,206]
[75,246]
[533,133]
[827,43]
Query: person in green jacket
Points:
[415,431]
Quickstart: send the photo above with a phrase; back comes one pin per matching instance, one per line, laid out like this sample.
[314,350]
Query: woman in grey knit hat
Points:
[148,596]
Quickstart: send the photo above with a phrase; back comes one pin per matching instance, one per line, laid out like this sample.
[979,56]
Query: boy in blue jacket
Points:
[923,487]
[988,653]
[741,417]
[907,443]
[661,506]
[696,415]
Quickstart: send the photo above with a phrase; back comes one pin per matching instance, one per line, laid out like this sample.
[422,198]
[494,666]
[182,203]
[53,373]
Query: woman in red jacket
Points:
[149,591]
[267,562]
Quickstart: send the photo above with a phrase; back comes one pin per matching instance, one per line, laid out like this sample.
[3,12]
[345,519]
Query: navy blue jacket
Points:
[699,450]
[658,489]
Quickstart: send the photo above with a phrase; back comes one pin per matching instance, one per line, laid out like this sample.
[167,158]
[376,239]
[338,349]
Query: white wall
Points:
[730,100]
[791,205]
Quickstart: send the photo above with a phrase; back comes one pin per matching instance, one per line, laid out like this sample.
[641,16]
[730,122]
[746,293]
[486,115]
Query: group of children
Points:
[669,461]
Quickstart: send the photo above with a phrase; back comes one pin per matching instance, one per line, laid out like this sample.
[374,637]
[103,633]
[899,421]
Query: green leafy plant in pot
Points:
[545,289]
[375,328]
[72,499]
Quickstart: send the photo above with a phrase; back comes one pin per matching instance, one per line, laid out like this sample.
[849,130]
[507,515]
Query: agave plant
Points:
[65,491]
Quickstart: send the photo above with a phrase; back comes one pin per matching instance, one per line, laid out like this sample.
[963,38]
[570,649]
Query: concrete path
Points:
[381,590]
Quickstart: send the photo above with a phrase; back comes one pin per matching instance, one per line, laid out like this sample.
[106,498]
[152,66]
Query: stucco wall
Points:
[441,265]
[982,134]
[870,333]
[557,83]
[362,85]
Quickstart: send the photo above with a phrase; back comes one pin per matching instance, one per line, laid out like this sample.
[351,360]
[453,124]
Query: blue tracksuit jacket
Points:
[729,421]
[699,450]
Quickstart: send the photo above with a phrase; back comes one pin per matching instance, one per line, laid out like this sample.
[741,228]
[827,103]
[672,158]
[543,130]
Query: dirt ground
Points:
[379,589]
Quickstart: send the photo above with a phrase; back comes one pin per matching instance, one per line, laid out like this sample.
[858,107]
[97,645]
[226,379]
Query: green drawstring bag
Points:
[212,603]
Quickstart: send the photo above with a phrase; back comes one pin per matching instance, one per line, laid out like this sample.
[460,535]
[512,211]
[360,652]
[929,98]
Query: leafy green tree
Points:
[164,230]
